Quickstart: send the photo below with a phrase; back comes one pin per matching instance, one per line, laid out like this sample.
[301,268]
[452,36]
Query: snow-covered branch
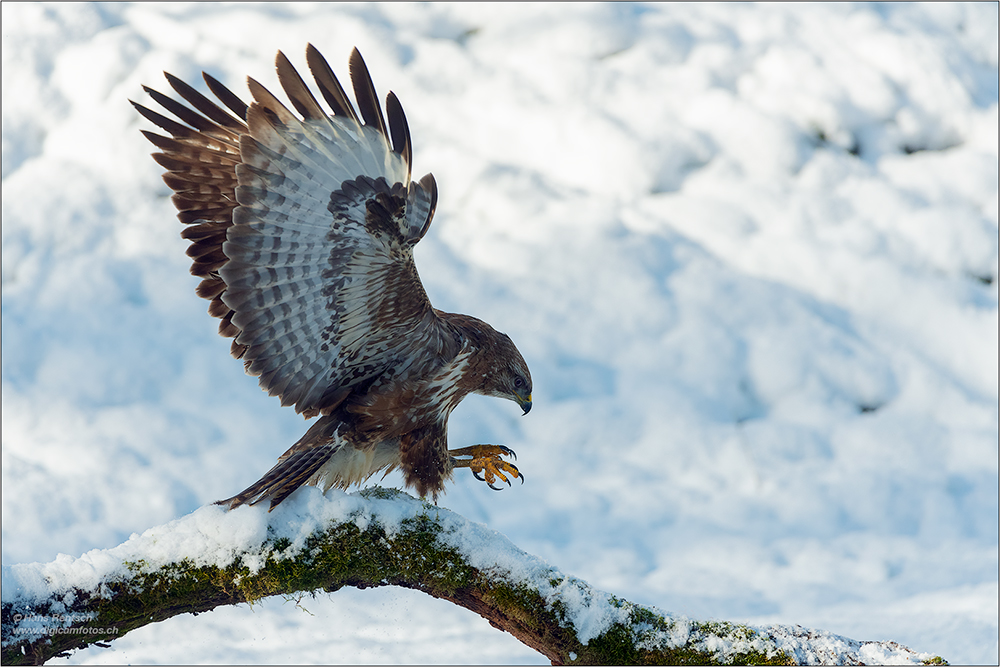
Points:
[377,537]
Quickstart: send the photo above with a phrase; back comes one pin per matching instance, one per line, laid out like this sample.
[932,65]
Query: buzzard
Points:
[302,228]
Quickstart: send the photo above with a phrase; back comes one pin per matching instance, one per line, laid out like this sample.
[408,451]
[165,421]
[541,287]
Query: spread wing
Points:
[302,228]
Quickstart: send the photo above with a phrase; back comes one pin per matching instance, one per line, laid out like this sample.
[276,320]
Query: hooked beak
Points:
[525,403]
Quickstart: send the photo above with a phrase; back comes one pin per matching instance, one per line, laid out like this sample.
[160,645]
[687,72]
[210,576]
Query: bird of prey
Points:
[302,227]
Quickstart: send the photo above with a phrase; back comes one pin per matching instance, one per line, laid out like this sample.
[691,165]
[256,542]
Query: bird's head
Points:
[509,378]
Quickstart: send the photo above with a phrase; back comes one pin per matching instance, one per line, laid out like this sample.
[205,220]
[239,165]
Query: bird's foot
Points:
[486,460]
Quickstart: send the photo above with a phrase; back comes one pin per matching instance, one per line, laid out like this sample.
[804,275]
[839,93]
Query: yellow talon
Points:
[486,459]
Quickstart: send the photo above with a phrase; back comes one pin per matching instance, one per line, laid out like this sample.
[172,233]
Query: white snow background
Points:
[748,251]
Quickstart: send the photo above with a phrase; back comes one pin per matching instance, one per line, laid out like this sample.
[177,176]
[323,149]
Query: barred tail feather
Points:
[287,475]
[323,457]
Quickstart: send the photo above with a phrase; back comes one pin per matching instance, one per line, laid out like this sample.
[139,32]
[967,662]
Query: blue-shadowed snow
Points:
[748,251]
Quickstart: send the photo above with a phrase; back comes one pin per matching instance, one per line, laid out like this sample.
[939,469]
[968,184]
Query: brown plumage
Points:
[302,228]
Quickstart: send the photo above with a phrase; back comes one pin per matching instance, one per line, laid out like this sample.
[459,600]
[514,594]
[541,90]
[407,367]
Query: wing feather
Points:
[364,92]
[226,96]
[328,84]
[171,126]
[421,201]
[400,130]
[192,118]
[211,110]
[302,99]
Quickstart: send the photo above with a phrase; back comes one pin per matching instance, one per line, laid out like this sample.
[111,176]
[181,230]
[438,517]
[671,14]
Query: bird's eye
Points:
[518,382]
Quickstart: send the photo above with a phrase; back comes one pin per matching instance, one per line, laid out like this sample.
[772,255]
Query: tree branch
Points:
[377,537]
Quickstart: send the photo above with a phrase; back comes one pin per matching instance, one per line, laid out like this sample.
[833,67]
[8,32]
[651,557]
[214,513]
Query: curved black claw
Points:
[500,489]
[476,475]
[508,451]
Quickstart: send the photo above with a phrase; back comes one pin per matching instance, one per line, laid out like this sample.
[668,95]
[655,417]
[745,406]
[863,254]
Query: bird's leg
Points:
[486,459]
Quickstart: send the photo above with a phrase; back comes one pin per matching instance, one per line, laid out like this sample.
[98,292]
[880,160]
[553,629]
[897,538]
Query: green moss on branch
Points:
[413,553]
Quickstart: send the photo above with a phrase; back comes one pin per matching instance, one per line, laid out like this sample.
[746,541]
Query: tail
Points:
[280,481]
[294,468]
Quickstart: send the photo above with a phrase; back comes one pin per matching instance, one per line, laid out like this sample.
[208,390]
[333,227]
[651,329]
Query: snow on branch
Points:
[377,537]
